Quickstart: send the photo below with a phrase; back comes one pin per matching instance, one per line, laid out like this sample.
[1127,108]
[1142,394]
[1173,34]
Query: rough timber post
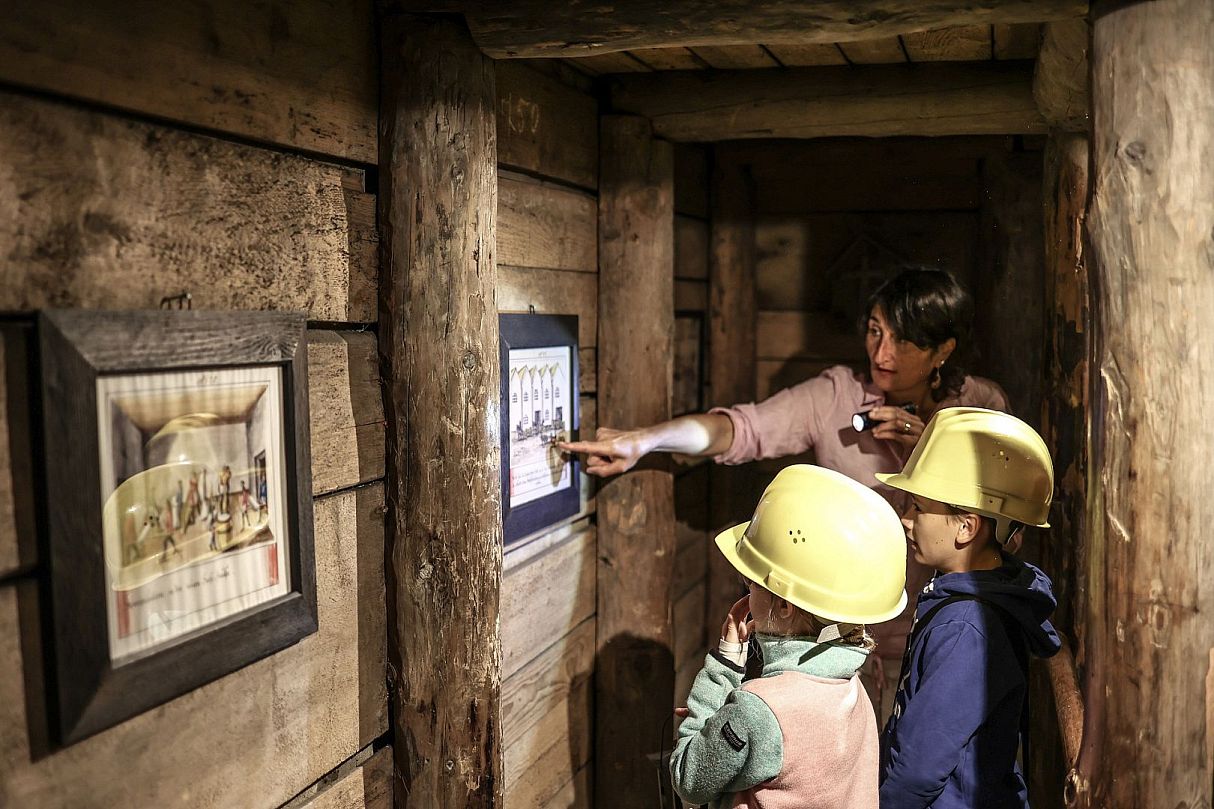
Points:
[1152,235]
[731,341]
[634,676]
[439,351]
[1065,411]
[1064,420]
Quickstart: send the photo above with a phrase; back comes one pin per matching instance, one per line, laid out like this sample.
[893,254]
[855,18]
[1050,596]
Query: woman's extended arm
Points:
[616,451]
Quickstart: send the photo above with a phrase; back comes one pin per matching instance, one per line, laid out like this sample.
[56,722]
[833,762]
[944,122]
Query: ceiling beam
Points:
[540,28]
[970,98]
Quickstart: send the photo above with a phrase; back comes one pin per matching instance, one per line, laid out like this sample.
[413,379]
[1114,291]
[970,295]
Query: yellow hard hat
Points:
[827,544]
[981,461]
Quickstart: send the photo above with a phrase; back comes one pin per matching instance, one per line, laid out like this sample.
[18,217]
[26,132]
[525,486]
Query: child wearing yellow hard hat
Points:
[823,556]
[976,477]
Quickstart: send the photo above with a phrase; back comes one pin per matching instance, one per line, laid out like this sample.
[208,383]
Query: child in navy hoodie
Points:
[976,478]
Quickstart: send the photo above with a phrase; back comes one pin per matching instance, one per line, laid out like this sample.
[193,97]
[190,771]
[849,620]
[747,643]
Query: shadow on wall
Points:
[634,678]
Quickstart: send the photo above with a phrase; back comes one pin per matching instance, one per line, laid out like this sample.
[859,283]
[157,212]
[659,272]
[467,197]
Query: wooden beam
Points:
[301,76]
[140,211]
[634,678]
[546,127]
[973,98]
[1064,419]
[439,350]
[1060,81]
[1008,287]
[544,225]
[1068,336]
[960,43]
[1150,224]
[735,57]
[731,350]
[532,28]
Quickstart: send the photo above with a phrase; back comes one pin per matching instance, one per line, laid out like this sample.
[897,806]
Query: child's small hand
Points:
[736,628]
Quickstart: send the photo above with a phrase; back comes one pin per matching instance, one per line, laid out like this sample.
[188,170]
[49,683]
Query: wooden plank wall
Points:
[547,242]
[690,384]
[133,169]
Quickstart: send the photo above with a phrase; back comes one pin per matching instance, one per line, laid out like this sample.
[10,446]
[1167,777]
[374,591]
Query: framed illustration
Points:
[539,396]
[174,503]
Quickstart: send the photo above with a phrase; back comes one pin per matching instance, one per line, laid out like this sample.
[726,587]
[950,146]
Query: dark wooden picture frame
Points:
[85,692]
[520,331]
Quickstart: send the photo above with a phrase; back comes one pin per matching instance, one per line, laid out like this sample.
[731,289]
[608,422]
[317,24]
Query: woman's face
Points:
[896,364]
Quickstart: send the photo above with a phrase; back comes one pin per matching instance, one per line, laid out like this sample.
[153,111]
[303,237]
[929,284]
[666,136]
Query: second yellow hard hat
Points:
[827,544]
[982,461]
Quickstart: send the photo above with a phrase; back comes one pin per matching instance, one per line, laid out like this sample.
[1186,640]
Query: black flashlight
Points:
[862,421]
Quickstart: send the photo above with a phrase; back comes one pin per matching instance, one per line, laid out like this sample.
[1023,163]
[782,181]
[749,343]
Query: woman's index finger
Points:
[583,447]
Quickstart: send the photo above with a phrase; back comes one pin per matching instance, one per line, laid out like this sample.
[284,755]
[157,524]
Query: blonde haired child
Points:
[823,556]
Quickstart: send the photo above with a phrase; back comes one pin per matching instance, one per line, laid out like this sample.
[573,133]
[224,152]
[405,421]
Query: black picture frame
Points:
[522,331]
[84,692]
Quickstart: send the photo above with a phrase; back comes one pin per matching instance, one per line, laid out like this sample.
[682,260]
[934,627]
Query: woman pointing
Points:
[916,334]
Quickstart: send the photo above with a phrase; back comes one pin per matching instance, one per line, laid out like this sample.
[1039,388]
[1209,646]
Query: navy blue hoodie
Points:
[952,740]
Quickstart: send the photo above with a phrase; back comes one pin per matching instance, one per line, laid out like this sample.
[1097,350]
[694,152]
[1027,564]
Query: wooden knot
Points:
[469,360]
[1136,152]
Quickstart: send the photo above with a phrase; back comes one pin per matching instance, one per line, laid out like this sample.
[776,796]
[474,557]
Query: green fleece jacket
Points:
[730,740]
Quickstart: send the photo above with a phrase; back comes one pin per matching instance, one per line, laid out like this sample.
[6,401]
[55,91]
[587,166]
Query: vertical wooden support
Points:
[1068,323]
[731,351]
[1007,291]
[634,676]
[439,351]
[1064,418]
[1152,237]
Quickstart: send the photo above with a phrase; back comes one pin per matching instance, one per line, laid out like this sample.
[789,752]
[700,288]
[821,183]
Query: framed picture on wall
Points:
[539,396]
[174,501]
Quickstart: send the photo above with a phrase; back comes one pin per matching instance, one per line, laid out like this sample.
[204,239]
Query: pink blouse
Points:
[816,414]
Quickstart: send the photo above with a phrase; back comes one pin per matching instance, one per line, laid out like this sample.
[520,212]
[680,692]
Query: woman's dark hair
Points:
[927,306]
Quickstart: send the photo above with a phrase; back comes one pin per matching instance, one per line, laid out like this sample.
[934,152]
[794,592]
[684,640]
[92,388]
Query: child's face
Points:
[931,530]
[760,606]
